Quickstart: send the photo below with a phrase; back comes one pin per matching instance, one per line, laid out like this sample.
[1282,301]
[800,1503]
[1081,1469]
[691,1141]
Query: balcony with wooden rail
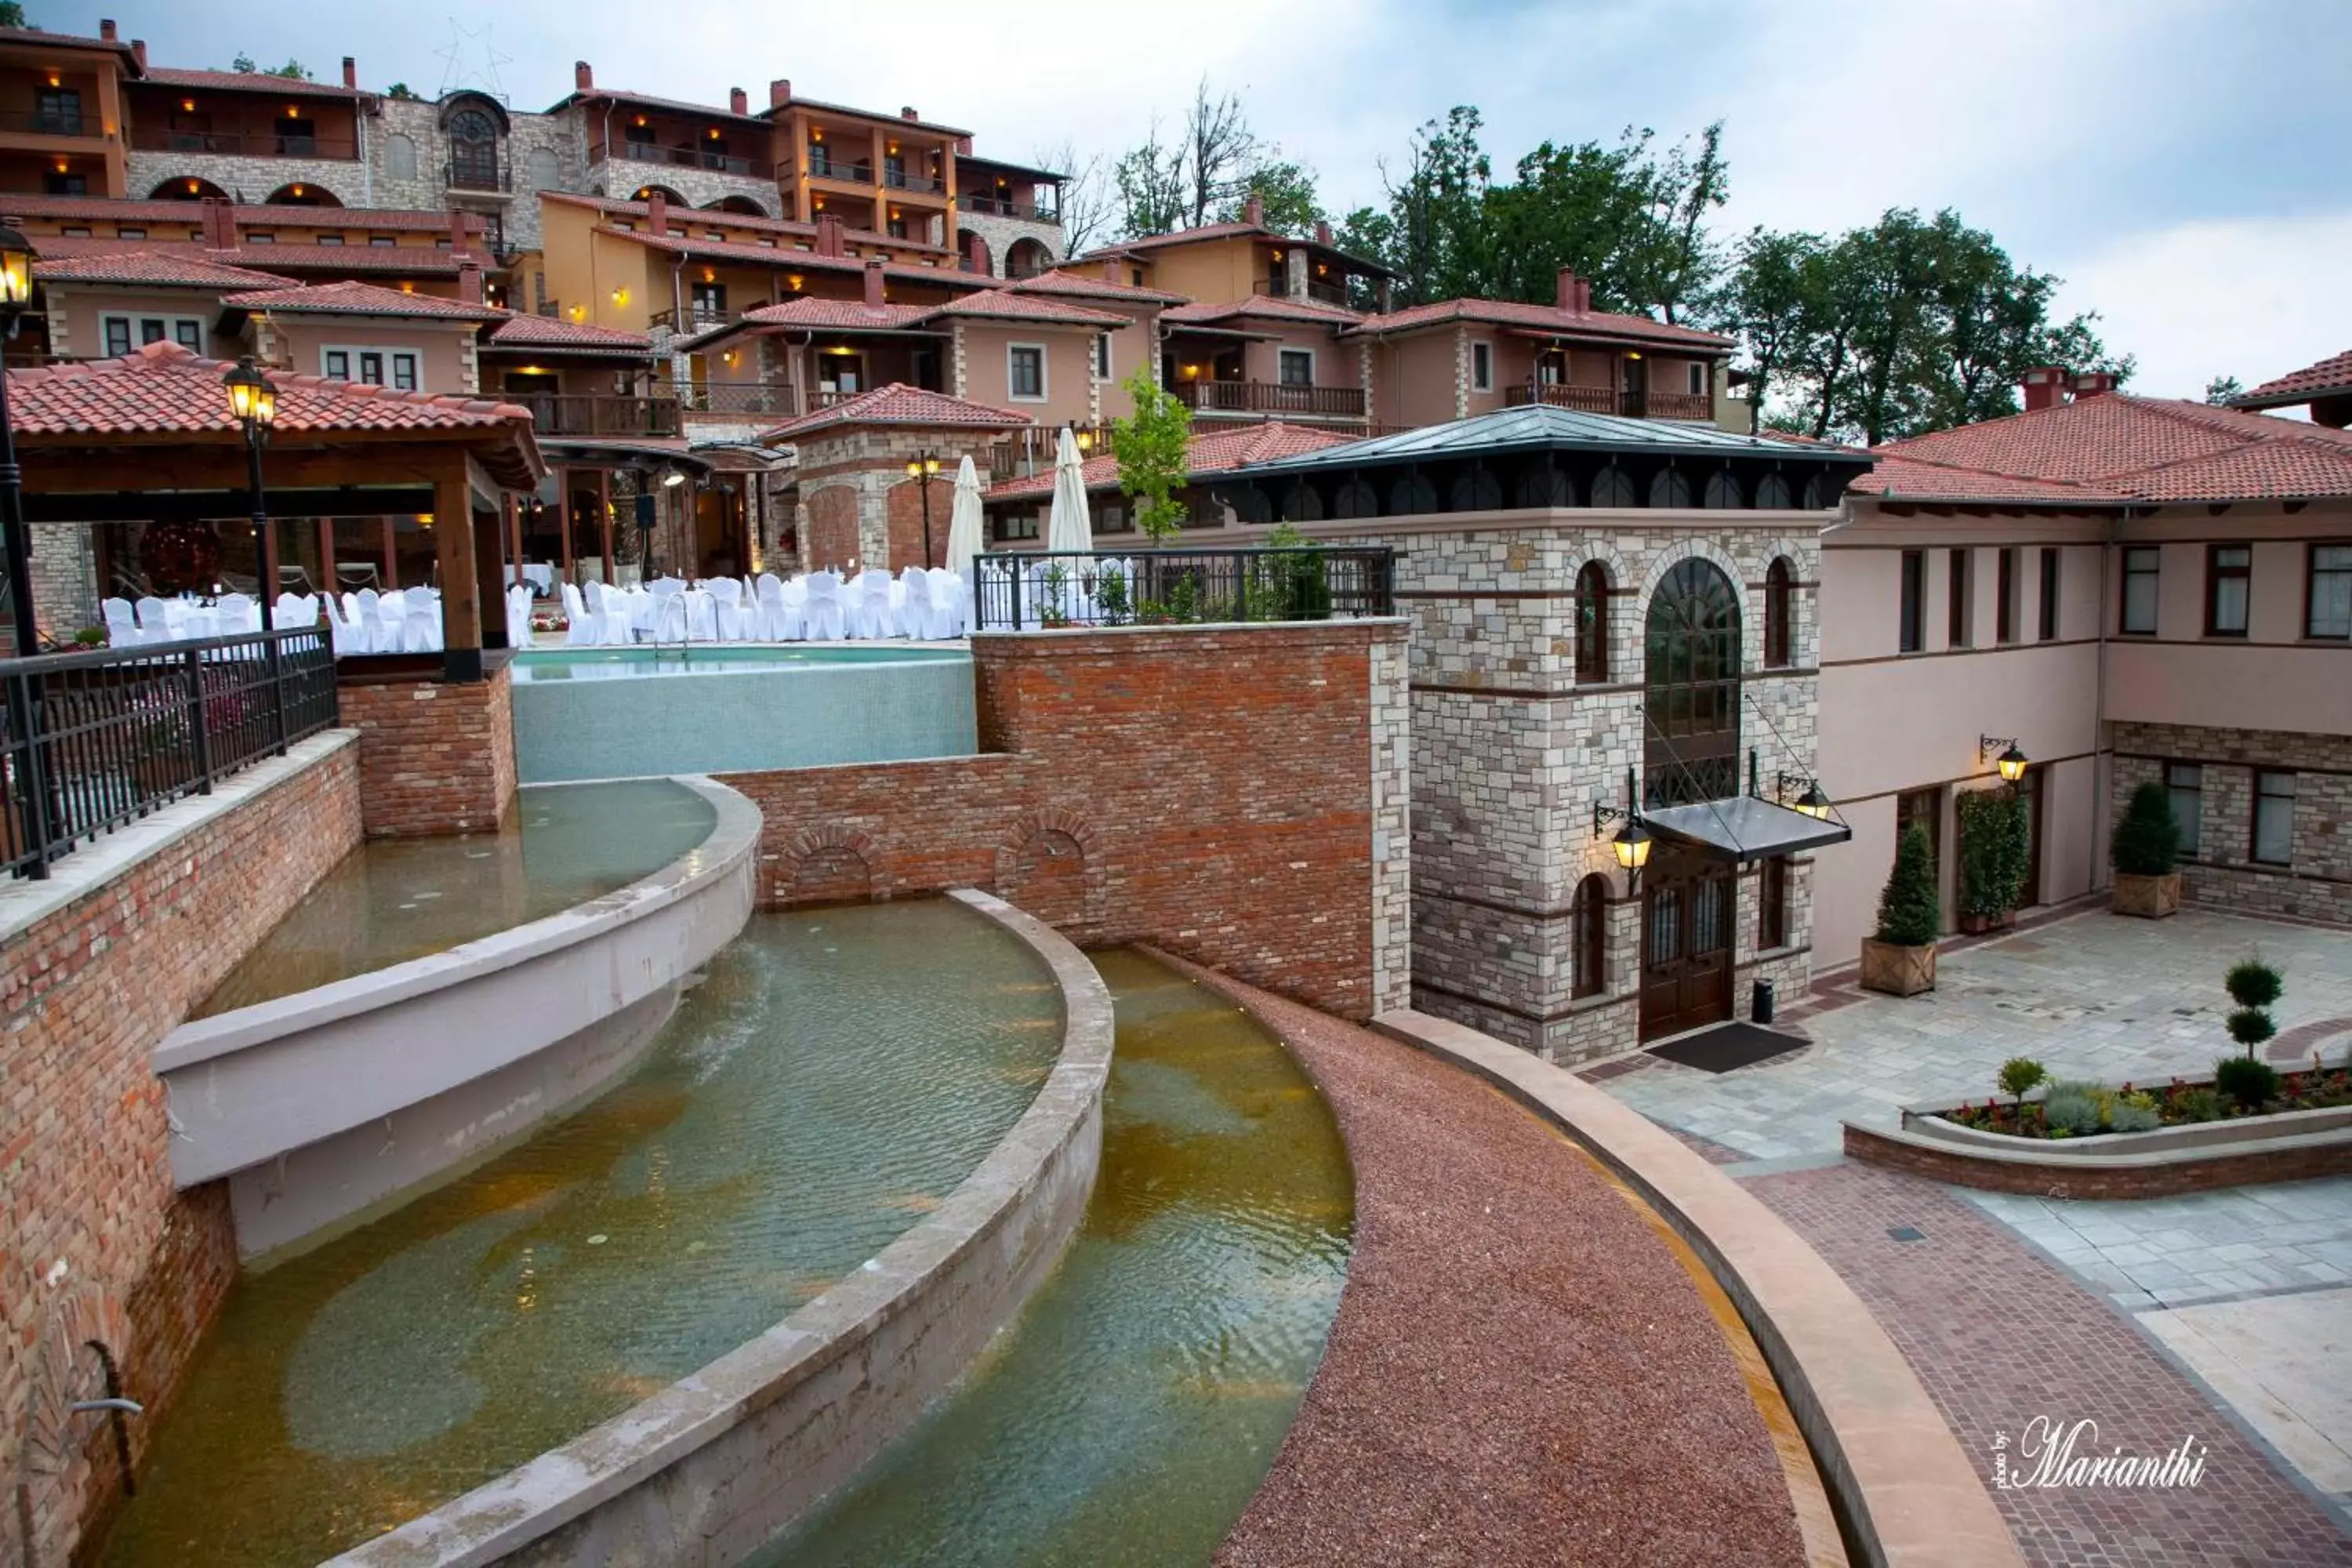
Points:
[1686,405]
[1270,397]
[709,160]
[998,207]
[598,413]
[244,143]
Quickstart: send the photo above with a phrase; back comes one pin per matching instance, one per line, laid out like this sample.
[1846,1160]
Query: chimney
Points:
[461,238]
[220,225]
[1253,211]
[874,281]
[469,284]
[964,146]
[779,92]
[139,52]
[738,101]
[106,29]
[1110,268]
[656,213]
[829,229]
[1322,232]
[907,111]
[582,79]
[1572,293]
[2045,388]
[350,71]
[2092,383]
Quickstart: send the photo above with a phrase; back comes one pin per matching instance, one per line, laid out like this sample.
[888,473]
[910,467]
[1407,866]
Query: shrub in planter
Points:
[1996,834]
[1900,959]
[2126,1117]
[2146,853]
[2072,1108]
[2199,1104]
[2251,1083]
[2018,1077]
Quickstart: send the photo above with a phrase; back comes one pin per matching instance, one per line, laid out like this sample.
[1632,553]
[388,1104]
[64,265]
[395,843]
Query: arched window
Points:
[1355,498]
[1820,493]
[1670,486]
[1779,593]
[1412,496]
[1723,489]
[541,169]
[304,195]
[1027,258]
[1301,503]
[1612,486]
[473,151]
[1772,493]
[1541,484]
[972,253]
[1590,918]
[399,157]
[1591,624]
[187,188]
[1691,676]
[1478,491]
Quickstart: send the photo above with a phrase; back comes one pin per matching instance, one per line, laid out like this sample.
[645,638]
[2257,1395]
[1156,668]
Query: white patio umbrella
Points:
[1068,527]
[963,522]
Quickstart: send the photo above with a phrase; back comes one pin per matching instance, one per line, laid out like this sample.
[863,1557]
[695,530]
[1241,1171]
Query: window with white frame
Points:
[1696,385]
[1102,356]
[124,334]
[1025,371]
[1296,367]
[1482,367]
[395,368]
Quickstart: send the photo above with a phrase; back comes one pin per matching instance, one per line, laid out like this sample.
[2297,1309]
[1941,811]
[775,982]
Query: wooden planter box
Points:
[1897,971]
[1976,925]
[2148,898]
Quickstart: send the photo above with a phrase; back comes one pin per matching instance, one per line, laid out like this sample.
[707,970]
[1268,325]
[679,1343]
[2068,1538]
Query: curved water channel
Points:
[833,1075]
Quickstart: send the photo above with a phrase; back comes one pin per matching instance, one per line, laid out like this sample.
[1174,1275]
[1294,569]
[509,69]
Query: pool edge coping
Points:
[633,1450]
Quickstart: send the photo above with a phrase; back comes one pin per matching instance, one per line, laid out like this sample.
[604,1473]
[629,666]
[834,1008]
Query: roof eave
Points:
[2254,400]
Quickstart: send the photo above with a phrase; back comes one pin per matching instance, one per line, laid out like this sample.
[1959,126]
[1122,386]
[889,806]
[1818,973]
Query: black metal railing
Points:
[50,123]
[821,167]
[707,158]
[911,180]
[480,171]
[91,742]
[1031,590]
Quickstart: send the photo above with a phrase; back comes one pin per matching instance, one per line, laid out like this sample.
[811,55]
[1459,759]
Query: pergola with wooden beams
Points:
[149,439]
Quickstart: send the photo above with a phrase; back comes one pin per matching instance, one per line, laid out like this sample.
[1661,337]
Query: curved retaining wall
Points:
[718,1464]
[1905,1492]
[321,1105]
[2292,1146]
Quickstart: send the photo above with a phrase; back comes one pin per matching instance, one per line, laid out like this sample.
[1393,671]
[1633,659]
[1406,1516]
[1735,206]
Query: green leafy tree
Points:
[2019,1074]
[1773,303]
[2224,388]
[1909,911]
[399,89]
[292,70]
[1148,181]
[1154,447]
[11,13]
[1288,191]
[243,65]
[1996,837]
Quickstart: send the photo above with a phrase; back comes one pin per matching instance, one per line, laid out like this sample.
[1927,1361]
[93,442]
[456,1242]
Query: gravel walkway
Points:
[1521,1371]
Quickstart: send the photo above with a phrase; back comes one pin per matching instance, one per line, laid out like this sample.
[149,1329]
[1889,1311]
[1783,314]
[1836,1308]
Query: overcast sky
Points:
[2186,167]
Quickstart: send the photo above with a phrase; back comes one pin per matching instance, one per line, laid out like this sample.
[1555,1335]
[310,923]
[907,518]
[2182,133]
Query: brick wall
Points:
[830,539]
[905,504]
[1211,790]
[2317,884]
[96,1248]
[435,757]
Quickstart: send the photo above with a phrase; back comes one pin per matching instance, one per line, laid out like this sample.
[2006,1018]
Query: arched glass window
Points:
[1412,496]
[1479,491]
[473,151]
[1355,498]
[1670,486]
[1778,594]
[1592,623]
[1691,677]
[1590,918]
[1612,486]
[1772,492]
[1723,489]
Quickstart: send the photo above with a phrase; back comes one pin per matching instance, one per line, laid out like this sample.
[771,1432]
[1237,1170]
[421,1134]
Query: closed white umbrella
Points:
[1068,527]
[963,522]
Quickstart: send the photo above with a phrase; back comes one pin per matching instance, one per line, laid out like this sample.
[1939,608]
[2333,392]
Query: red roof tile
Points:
[2331,377]
[521,331]
[2113,449]
[355,299]
[837,315]
[1079,285]
[683,219]
[1208,231]
[1522,316]
[1261,307]
[1209,452]
[1005,305]
[249,81]
[191,214]
[389,260]
[150,268]
[898,404]
[787,258]
[42,37]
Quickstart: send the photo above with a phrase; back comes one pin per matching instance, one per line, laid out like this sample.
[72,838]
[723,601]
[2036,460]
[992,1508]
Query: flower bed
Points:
[2182,1103]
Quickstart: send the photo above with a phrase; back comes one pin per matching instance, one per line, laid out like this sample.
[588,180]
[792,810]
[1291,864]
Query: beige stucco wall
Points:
[76,312]
[1069,384]
[444,361]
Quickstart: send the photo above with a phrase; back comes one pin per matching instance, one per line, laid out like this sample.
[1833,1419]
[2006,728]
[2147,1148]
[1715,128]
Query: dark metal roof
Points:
[1542,426]
[1745,828]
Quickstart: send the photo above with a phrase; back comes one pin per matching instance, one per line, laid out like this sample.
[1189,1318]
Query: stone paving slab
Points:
[2265,1356]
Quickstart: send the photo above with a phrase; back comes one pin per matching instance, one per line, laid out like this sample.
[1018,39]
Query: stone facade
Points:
[622,178]
[108,1275]
[249,178]
[1510,754]
[2316,883]
[408,161]
[435,756]
[1232,795]
[65,579]
[850,480]
[1000,234]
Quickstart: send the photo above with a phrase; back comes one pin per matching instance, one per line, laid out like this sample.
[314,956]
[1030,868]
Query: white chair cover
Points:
[122,625]
[701,615]
[586,627]
[349,638]
[727,608]
[920,612]
[671,623]
[235,615]
[421,627]
[518,616]
[154,619]
[822,613]
[768,607]
[874,619]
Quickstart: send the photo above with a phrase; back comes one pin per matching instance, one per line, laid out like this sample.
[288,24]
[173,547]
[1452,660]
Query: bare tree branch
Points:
[1087,198]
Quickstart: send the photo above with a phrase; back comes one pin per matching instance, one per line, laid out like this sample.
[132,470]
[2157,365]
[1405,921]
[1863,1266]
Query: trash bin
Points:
[1760,1002]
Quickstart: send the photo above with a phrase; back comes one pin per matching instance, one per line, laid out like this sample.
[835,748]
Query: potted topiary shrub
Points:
[2146,853]
[1900,960]
[1995,838]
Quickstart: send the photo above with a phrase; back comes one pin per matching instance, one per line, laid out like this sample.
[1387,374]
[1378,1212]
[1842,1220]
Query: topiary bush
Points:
[1910,913]
[2253,984]
[2251,1083]
[2146,841]
[2249,1026]
[2018,1077]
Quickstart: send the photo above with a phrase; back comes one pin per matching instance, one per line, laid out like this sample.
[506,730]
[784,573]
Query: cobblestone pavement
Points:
[2093,996]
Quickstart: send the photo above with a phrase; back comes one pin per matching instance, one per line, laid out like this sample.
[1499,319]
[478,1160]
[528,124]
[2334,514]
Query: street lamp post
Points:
[923,468]
[253,403]
[16,256]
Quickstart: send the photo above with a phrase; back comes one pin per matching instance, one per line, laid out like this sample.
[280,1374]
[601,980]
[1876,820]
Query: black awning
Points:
[1742,829]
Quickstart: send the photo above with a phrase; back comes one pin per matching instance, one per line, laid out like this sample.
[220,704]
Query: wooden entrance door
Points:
[1686,924]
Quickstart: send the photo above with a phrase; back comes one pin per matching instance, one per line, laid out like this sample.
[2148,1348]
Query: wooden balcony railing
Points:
[1270,397]
[1032,450]
[1586,399]
[50,123]
[244,144]
[1000,207]
[821,167]
[911,180]
[1674,406]
[599,413]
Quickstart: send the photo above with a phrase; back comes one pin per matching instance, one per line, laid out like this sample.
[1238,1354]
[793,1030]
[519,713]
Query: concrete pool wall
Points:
[321,1104]
[716,1464]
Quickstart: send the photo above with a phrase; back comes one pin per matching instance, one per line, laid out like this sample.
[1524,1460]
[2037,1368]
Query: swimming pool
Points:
[613,712]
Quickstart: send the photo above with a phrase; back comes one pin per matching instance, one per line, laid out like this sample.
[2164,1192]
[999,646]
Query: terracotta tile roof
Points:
[1078,284]
[1209,452]
[1260,307]
[1209,231]
[149,269]
[898,404]
[785,257]
[191,214]
[250,81]
[2112,449]
[522,332]
[1527,317]
[356,298]
[1005,305]
[2330,377]
[676,105]
[811,314]
[43,39]
[395,261]
[683,218]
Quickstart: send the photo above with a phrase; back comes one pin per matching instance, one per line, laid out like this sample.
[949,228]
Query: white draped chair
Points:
[349,638]
[873,618]
[154,619]
[768,607]
[701,615]
[518,616]
[121,622]
[421,627]
[926,610]
[587,628]
[235,615]
[823,611]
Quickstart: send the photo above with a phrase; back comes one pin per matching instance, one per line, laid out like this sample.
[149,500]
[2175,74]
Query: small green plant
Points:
[91,637]
[2147,841]
[2124,1116]
[2253,984]
[2018,1077]
[2199,1104]
[2249,1026]
[1996,839]
[2251,1083]
[2072,1108]
[1154,447]
[1112,601]
[1909,915]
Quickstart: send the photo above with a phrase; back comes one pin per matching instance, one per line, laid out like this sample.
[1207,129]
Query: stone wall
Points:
[540,151]
[435,756]
[249,179]
[65,579]
[2317,883]
[622,178]
[1510,753]
[850,484]
[98,1254]
[1232,795]
[1000,233]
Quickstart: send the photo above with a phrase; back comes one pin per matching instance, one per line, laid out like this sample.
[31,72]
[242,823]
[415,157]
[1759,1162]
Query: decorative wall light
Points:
[1632,843]
[2011,762]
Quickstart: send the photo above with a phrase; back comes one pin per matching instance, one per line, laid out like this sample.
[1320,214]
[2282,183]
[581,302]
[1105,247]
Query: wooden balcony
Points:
[599,413]
[1270,397]
[244,144]
[1585,399]
[1603,400]
[1692,405]
[776,399]
[691,158]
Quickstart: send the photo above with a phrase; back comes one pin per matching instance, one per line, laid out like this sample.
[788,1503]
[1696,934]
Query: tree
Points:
[11,13]
[1773,304]
[1150,180]
[2147,837]
[1288,193]
[1220,151]
[1675,262]
[292,70]
[1908,913]
[1437,223]
[2224,388]
[399,89]
[1154,446]
[1086,194]
[243,65]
